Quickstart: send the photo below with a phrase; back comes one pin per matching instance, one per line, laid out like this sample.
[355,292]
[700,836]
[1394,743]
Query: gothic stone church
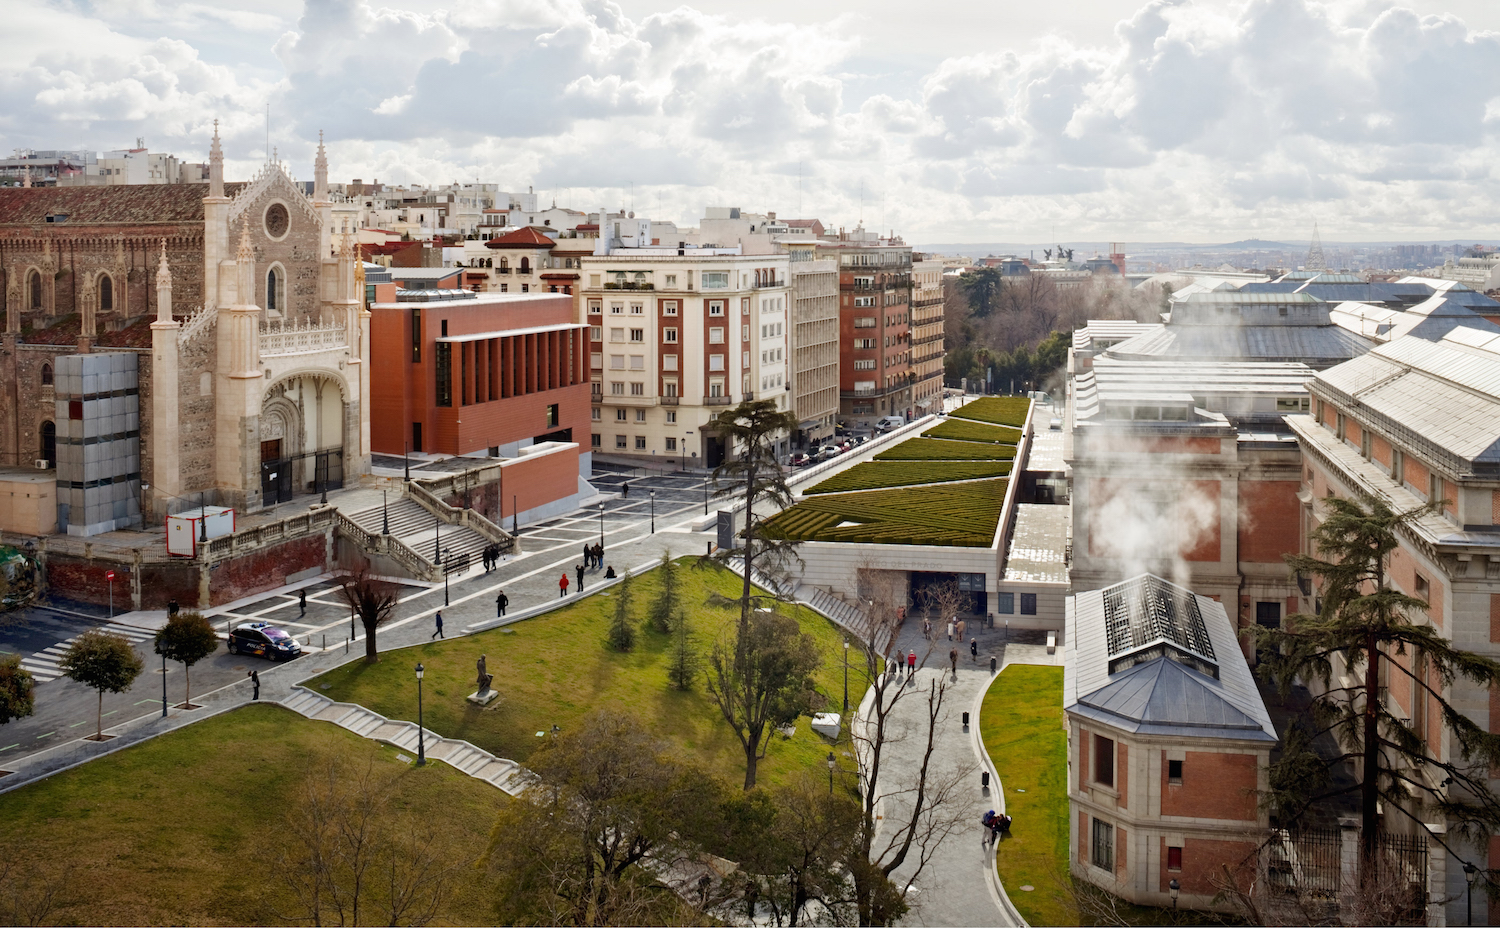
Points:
[239,307]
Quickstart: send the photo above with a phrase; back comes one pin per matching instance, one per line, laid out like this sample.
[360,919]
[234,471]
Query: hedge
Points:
[971,431]
[959,514]
[871,475]
[1008,411]
[939,450]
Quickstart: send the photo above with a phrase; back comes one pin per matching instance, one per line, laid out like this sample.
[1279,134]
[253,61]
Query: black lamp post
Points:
[445,576]
[846,676]
[1174,886]
[164,684]
[421,745]
[322,475]
[601,523]
[653,511]
[705,497]
[831,764]
[1470,871]
[514,518]
[385,511]
[202,520]
[406,459]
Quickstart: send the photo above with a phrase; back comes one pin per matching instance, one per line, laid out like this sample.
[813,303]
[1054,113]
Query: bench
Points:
[1051,642]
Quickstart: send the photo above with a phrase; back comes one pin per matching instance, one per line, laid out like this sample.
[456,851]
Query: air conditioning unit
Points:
[43,463]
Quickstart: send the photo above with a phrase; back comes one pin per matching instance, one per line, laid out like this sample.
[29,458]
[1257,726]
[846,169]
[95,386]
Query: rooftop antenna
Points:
[1315,259]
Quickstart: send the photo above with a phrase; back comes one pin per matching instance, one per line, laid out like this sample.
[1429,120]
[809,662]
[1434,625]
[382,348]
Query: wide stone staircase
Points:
[504,774]
[416,528]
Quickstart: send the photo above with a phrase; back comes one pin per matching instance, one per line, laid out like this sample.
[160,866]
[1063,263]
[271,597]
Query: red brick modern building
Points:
[461,373]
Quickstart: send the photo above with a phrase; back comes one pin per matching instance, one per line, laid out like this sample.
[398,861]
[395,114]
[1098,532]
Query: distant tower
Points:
[1315,259]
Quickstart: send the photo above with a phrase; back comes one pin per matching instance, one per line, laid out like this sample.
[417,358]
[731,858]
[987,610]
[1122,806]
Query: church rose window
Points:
[277,221]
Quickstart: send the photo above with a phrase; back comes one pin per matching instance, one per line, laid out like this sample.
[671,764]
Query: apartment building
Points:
[1417,421]
[927,335]
[814,345]
[875,350]
[676,336]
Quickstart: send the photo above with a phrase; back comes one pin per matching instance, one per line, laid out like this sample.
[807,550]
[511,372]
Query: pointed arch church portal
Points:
[302,432]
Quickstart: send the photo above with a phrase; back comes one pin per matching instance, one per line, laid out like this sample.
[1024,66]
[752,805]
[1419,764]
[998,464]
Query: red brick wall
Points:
[1495,618]
[1271,520]
[163,582]
[1203,861]
[1122,844]
[1380,450]
[265,569]
[84,580]
[1206,548]
[1414,473]
[1122,774]
[530,481]
[1214,785]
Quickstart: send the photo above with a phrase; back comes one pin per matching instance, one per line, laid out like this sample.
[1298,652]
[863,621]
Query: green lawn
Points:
[971,431]
[555,668]
[1007,411]
[959,514]
[868,476]
[177,831]
[1021,723]
[945,450]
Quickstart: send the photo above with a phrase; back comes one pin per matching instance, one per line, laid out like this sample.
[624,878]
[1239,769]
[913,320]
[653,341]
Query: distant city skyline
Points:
[1197,120]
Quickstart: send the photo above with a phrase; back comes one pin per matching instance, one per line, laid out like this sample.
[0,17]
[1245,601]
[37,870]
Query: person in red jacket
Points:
[911,662]
[562,585]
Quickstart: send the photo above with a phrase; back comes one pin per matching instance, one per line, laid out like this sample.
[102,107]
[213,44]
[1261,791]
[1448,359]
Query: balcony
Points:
[716,401]
[628,286]
[761,284]
[669,401]
[629,400]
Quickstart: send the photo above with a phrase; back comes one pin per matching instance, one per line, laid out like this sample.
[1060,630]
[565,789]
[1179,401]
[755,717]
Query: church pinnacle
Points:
[320,172]
[163,288]
[215,166]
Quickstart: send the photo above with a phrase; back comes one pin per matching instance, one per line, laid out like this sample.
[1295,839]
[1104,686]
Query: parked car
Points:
[1055,423]
[800,459]
[891,422]
[264,640]
[827,452]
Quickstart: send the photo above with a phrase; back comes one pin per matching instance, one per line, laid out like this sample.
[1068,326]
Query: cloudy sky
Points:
[1001,120]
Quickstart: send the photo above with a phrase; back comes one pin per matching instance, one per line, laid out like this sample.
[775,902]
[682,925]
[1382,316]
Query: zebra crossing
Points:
[43,665]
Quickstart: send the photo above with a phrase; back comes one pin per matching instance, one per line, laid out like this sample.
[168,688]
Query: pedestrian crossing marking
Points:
[43,664]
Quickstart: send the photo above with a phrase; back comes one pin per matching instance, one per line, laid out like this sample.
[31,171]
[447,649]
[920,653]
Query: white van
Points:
[891,422]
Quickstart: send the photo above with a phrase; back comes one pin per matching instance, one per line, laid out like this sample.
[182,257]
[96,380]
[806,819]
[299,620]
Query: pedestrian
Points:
[579,569]
[950,631]
[172,607]
[501,602]
[959,629]
[911,663]
[987,838]
[900,614]
[625,489]
[609,572]
[598,555]
[438,633]
[302,601]
[927,628]
[953,659]
[255,683]
[562,585]
[974,648]
[588,555]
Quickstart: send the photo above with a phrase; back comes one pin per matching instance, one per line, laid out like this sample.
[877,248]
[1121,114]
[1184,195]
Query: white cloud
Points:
[1198,119]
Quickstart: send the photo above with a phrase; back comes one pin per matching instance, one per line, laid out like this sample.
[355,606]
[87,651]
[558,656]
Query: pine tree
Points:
[664,607]
[684,667]
[622,631]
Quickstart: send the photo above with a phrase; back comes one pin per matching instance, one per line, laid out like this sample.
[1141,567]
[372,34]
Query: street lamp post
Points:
[446,553]
[1470,870]
[163,684]
[831,764]
[421,744]
[705,496]
[385,510]
[846,676]
[406,459]
[601,524]
[514,519]
[653,511]
[1174,886]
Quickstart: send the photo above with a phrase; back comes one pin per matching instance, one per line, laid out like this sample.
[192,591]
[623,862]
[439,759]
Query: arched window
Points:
[106,292]
[525,266]
[49,443]
[35,286]
[504,265]
[46,374]
[275,289]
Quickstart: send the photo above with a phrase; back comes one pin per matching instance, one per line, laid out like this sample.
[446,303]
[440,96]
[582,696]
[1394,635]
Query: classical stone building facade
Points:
[244,305]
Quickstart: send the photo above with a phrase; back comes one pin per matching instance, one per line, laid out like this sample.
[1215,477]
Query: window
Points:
[616,309]
[637,363]
[504,288]
[619,441]
[864,301]
[1102,849]
[46,374]
[716,363]
[1421,587]
[864,343]
[669,308]
[1174,858]
[275,289]
[34,282]
[617,387]
[640,416]
[594,413]
[669,334]
[617,334]
[1174,771]
[526,288]
[672,414]
[716,308]
[593,280]
[596,359]
[416,437]
[596,307]
[594,440]
[1268,614]
[864,322]
[638,388]
[1028,604]
[716,279]
[637,309]
[745,333]
[1104,761]
[640,443]
[637,335]
[552,415]
[716,335]
[672,282]
[444,374]
[715,388]
[744,306]
[745,359]
[106,293]
[672,442]
[669,363]
[596,334]
[1006,602]
[669,389]
[620,415]
[617,362]
[864,364]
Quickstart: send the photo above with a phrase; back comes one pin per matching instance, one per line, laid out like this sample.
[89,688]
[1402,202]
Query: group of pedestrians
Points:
[593,557]
[491,557]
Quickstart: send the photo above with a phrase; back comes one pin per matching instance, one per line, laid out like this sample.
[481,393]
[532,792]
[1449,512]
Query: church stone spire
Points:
[215,166]
[320,173]
[163,288]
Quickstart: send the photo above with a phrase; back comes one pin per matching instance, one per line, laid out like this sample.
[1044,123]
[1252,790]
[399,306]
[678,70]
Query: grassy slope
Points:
[970,431]
[868,476]
[555,668]
[1007,411]
[1021,723]
[946,450]
[955,514]
[176,831]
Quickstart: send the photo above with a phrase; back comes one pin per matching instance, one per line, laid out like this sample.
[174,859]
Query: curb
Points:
[992,873]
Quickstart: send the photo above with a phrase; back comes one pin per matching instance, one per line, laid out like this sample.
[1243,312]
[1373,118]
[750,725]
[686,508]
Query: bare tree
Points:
[35,886]
[373,600]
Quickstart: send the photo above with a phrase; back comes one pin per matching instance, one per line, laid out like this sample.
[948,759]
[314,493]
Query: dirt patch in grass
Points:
[556,668]
[177,830]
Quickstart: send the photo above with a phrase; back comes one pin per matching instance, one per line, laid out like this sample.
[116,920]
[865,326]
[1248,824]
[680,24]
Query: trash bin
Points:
[966,721]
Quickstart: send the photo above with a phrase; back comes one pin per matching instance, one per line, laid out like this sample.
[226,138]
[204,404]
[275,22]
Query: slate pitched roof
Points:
[125,204]
[1163,695]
